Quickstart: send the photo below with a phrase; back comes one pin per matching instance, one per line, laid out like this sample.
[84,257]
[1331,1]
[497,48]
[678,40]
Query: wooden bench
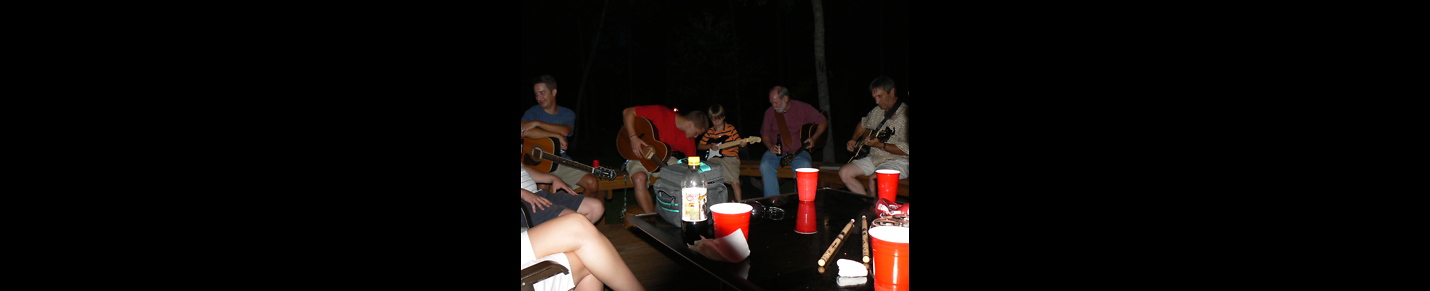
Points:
[608,186]
[827,178]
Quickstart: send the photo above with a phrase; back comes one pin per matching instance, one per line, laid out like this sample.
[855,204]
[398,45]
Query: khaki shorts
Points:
[632,167]
[732,168]
[569,175]
[896,164]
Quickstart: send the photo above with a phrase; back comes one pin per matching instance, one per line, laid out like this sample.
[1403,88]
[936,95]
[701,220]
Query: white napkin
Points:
[729,248]
[851,273]
[851,268]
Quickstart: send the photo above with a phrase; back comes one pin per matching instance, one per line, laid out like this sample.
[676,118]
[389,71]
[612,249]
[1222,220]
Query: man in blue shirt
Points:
[546,119]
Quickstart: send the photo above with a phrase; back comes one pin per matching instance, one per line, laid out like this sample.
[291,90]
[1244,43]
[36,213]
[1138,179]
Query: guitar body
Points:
[714,152]
[805,132]
[537,154]
[530,145]
[655,151]
[863,150]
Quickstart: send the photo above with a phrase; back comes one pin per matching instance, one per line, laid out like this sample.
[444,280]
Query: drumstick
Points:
[835,245]
[864,224]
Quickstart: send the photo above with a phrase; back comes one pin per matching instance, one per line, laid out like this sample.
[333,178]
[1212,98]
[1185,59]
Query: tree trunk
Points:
[819,75]
[581,92]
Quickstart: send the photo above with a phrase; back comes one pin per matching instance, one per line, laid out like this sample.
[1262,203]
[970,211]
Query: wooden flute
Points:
[834,246]
[864,224]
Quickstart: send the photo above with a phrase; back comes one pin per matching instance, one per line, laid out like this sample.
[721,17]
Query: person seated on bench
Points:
[883,153]
[715,137]
[783,122]
[581,248]
[545,205]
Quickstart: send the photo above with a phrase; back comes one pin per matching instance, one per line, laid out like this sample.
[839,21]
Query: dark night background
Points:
[692,54]
[351,141]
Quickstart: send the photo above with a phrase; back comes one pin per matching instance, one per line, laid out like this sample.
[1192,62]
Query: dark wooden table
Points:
[780,258]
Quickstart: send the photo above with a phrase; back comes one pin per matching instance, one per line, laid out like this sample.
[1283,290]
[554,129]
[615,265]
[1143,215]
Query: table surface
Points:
[781,259]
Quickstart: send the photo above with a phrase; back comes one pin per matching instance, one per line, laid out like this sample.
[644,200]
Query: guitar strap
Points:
[784,131]
[887,115]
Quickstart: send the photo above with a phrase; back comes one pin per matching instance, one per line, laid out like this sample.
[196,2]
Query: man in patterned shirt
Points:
[890,154]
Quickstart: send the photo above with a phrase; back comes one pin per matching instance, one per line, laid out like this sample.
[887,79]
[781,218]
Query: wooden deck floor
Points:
[652,268]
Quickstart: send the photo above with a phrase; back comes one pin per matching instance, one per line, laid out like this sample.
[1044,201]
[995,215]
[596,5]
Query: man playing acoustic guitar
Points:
[891,152]
[548,120]
[784,120]
[675,133]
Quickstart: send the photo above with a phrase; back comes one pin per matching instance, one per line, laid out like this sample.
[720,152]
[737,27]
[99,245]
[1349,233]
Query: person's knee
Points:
[589,182]
[574,224]
[593,204]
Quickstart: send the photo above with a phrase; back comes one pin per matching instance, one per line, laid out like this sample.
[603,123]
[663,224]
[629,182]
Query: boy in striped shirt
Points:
[729,158]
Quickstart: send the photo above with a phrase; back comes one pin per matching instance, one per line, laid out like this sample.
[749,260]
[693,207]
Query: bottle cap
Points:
[694,161]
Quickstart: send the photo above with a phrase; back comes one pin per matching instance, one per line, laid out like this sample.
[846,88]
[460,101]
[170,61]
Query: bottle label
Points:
[692,204]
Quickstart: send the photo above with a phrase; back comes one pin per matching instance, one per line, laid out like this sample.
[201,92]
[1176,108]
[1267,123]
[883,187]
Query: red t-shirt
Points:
[664,121]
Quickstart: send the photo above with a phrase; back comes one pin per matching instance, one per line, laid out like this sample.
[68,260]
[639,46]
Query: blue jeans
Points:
[769,167]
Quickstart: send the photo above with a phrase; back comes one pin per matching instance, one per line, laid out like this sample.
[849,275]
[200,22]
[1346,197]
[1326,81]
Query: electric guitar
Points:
[863,150]
[805,132]
[715,152]
[534,154]
[655,150]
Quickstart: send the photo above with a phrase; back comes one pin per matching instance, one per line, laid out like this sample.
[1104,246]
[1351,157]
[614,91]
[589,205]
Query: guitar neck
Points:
[734,143]
[565,162]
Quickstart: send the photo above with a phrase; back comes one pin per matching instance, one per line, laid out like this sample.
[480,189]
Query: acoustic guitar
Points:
[805,132]
[715,152]
[863,150]
[534,154]
[655,150]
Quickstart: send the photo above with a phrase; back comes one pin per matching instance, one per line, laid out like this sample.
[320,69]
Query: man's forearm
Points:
[555,128]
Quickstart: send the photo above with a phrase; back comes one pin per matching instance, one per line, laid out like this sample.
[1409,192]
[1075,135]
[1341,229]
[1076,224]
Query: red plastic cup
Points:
[889,247]
[888,183]
[731,216]
[805,223]
[596,163]
[807,179]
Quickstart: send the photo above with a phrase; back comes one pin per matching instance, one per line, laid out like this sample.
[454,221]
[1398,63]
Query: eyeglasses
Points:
[760,211]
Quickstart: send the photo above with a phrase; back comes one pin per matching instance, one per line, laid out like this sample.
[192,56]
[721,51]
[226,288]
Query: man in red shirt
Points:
[675,130]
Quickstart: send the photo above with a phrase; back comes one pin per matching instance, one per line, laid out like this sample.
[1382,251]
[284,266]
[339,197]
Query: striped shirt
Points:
[712,137]
[526,182]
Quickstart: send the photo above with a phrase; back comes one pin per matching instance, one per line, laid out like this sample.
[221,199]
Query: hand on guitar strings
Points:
[854,145]
[638,147]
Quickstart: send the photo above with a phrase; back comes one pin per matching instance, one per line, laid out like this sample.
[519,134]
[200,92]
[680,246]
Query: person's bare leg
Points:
[849,175]
[589,182]
[736,185]
[590,283]
[642,192]
[582,276]
[873,186]
[592,208]
[573,234]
